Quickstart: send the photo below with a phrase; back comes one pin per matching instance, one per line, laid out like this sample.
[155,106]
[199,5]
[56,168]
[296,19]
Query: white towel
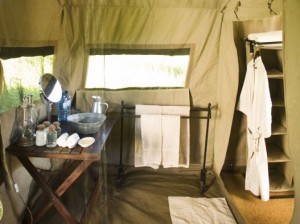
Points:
[184,150]
[200,210]
[175,110]
[160,134]
[176,144]
[148,129]
[170,140]
[62,140]
[147,109]
[72,140]
[151,139]
[272,36]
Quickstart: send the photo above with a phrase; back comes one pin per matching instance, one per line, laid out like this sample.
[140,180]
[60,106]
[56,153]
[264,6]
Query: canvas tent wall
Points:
[205,26]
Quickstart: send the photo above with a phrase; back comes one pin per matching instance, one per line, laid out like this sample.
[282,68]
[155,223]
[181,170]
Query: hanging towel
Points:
[151,139]
[160,138]
[199,210]
[255,102]
[176,144]
[170,140]
[149,136]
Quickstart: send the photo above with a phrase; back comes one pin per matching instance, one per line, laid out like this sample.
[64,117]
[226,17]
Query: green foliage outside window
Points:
[21,77]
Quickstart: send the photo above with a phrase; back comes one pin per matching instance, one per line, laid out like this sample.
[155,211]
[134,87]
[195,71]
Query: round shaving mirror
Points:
[51,91]
[50,88]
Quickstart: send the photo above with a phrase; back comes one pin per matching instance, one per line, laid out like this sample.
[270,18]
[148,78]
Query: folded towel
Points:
[147,109]
[151,139]
[199,210]
[184,148]
[175,110]
[272,36]
[72,140]
[160,141]
[62,140]
[170,140]
[176,143]
[148,152]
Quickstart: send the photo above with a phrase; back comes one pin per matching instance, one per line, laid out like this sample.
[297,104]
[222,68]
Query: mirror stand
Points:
[49,111]
[48,105]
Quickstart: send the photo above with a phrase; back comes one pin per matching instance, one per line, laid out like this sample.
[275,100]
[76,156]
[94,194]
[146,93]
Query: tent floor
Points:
[142,196]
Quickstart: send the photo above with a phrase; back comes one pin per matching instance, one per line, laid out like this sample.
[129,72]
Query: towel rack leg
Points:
[121,169]
[203,170]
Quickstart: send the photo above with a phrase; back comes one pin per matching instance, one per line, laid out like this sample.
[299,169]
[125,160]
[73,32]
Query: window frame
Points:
[157,49]
[6,53]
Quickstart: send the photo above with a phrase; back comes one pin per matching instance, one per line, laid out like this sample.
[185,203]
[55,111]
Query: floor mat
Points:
[200,210]
[252,208]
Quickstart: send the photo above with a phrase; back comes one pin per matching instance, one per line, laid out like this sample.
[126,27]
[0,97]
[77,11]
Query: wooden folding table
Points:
[79,159]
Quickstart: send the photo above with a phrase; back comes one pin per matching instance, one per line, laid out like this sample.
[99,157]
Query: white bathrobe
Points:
[255,103]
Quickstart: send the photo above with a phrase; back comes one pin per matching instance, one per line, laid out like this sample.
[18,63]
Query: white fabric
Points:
[147,109]
[255,103]
[151,139]
[187,210]
[148,129]
[184,133]
[272,36]
[62,140]
[160,133]
[72,140]
[171,139]
[176,110]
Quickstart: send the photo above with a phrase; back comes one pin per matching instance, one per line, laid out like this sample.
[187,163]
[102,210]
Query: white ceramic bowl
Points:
[86,123]
[86,142]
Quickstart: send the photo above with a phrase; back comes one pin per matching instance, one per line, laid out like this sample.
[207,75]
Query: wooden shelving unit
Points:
[279,160]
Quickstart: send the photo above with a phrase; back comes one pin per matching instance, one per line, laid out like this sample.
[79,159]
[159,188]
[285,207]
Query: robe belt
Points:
[255,136]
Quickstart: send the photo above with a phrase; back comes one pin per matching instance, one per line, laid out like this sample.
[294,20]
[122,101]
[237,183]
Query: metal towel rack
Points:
[127,112]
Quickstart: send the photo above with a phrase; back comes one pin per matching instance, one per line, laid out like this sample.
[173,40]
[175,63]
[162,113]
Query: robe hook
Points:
[272,12]
[236,9]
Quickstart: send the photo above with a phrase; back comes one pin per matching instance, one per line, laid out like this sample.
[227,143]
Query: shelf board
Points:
[278,129]
[278,182]
[276,102]
[276,155]
[274,74]
[282,194]
[271,46]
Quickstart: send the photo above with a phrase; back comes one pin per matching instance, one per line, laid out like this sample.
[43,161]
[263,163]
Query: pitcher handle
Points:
[106,105]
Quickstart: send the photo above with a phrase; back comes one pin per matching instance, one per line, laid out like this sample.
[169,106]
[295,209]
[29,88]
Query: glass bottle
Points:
[64,107]
[47,124]
[57,128]
[27,119]
[51,137]
[41,135]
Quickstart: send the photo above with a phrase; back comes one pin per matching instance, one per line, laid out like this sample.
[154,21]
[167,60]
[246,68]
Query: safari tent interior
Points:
[39,186]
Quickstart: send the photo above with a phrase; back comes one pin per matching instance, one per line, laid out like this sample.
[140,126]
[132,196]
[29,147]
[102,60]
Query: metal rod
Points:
[121,170]
[132,107]
[253,42]
[203,171]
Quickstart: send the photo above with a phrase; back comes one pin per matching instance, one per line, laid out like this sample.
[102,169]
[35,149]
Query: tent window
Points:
[16,52]
[115,68]
[22,69]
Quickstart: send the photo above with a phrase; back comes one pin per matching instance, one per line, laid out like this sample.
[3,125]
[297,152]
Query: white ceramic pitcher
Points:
[98,106]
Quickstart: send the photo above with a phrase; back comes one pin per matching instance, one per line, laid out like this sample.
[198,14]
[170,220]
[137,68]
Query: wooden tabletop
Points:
[77,153]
